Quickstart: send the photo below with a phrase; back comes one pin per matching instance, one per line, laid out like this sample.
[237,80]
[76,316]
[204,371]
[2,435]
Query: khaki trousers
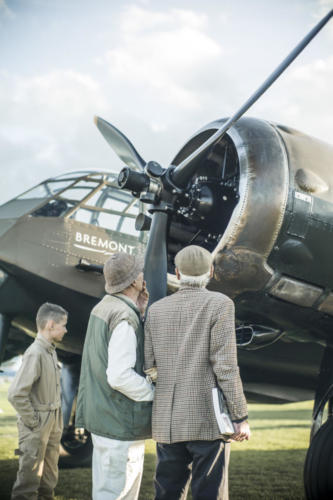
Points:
[38,458]
[117,468]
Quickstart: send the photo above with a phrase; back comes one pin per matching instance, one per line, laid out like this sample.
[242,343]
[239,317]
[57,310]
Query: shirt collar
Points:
[189,286]
[45,343]
[129,301]
[127,298]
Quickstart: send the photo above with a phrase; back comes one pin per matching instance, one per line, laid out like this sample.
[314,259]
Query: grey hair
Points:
[197,281]
[48,312]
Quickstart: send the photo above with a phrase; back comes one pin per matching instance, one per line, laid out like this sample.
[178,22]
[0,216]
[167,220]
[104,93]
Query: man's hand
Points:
[152,373]
[143,298]
[242,431]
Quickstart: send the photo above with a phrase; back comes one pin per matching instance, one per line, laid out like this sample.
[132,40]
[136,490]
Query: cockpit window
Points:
[92,198]
[44,190]
[110,208]
[76,193]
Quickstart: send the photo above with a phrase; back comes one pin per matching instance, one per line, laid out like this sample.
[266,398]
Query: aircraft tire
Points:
[318,477]
[75,453]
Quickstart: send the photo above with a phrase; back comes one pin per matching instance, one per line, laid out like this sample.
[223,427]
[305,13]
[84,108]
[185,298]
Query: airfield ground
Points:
[269,466]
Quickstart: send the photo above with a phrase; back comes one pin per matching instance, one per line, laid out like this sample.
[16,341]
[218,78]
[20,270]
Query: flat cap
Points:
[193,261]
[120,270]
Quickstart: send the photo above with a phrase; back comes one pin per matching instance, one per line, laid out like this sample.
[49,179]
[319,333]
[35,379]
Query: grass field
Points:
[269,466]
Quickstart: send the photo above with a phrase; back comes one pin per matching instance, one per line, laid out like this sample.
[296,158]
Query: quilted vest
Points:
[100,409]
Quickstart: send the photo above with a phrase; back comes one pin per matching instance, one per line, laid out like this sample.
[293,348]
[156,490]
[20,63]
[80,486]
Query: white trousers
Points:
[116,468]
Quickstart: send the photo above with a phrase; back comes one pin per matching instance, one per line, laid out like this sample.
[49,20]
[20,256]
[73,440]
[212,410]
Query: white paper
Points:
[221,413]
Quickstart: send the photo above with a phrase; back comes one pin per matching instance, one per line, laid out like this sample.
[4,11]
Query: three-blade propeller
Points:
[173,180]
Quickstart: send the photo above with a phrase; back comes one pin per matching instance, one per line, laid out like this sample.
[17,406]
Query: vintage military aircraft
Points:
[54,240]
[258,195]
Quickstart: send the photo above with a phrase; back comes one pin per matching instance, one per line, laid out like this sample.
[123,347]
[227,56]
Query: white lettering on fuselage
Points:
[303,197]
[99,243]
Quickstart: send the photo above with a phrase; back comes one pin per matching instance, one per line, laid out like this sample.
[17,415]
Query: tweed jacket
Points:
[190,338]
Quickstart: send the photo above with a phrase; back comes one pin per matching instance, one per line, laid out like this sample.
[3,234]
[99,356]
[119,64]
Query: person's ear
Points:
[49,325]
[211,274]
[177,273]
[133,284]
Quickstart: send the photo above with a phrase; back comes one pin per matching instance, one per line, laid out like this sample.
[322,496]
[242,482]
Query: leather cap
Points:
[193,261]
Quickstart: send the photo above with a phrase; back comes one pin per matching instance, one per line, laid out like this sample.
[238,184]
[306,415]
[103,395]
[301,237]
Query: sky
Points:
[158,70]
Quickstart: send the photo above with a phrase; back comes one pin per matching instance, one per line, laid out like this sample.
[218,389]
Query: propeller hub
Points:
[154,169]
[132,180]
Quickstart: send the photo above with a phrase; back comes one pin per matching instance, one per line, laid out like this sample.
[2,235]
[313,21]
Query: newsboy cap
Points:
[120,270]
[193,261]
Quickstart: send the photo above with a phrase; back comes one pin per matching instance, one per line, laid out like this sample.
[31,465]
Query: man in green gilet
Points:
[115,399]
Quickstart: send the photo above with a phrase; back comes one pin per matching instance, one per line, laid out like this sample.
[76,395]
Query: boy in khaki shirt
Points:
[35,395]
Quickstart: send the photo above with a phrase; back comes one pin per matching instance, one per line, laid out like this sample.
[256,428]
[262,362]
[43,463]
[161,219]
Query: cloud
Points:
[4,9]
[47,125]
[304,99]
[164,54]
[312,95]
[166,76]
[162,74]
[5,12]
[324,7]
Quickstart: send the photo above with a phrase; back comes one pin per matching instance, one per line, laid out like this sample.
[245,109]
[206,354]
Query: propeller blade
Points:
[187,168]
[155,270]
[120,144]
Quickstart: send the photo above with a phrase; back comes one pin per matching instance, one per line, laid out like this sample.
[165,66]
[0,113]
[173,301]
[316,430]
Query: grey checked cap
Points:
[120,270]
[193,261]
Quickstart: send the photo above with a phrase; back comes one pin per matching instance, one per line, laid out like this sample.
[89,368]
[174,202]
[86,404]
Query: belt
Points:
[47,407]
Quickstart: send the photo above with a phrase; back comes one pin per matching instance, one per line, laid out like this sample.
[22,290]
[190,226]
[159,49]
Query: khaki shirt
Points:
[36,386]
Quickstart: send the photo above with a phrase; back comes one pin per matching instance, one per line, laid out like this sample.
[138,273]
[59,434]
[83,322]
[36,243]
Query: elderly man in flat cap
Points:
[115,398]
[190,339]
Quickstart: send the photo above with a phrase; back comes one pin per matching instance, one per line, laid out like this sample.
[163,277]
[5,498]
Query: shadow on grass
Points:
[147,484]
[260,474]
[253,474]
[281,426]
[280,414]
[8,475]
[76,483]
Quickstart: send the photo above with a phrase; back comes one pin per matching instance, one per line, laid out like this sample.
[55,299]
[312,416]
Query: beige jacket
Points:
[36,386]
[190,337]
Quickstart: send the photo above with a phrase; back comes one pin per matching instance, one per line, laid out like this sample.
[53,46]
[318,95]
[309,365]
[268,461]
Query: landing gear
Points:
[76,448]
[76,445]
[318,477]
[4,332]
[318,469]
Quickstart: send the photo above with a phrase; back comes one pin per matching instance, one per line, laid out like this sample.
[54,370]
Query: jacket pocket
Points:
[121,413]
[142,418]
[42,418]
[29,445]
[27,429]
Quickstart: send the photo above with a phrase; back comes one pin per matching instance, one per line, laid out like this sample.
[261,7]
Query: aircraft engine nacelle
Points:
[261,201]
[249,178]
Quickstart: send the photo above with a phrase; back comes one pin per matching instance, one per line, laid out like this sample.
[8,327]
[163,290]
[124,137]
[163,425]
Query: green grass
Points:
[269,466]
